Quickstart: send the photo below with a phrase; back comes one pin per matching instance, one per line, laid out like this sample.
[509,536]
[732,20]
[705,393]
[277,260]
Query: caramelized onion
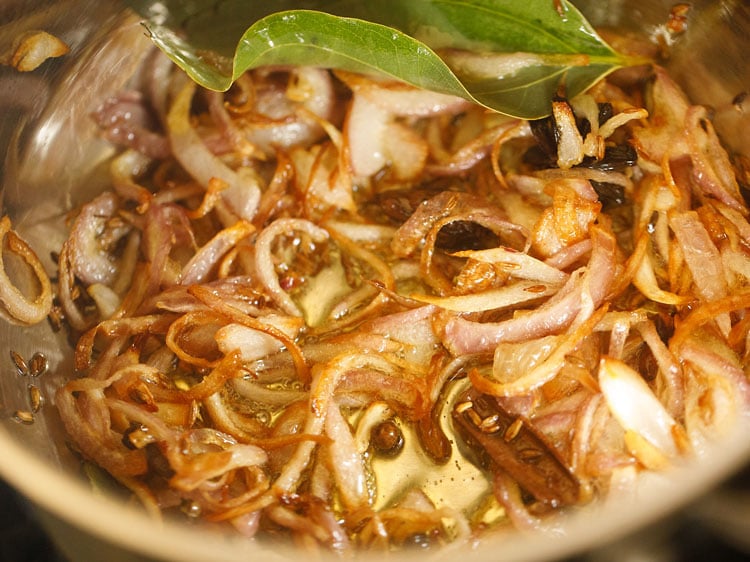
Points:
[243,192]
[265,263]
[466,336]
[15,302]
[318,279]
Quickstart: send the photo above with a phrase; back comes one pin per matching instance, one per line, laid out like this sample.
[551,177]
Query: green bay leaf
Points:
[468,48]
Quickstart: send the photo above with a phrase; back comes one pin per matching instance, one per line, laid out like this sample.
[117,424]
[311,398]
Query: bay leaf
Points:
[509,56]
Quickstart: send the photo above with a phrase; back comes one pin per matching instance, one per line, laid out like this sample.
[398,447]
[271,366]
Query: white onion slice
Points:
[400,99]
[243,193]
[493,299]
[359,232]
[518,264]
[365,131]
[570,144]
[107,301]
[254,344]
[347,464]
[635,406]
[616,121]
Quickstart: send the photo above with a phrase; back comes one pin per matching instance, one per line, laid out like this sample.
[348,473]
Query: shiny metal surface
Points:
[52,160]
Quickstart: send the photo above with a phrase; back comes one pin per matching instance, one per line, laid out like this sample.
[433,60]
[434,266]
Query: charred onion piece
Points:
[512,444]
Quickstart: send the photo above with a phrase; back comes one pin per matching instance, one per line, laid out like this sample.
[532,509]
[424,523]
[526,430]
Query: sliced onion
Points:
[15,302]
[715,360]
[737,218]
[570,143]
[329,186]
[90,261]
[712,168]
[465,336]
[404,394]
[66,291]
[192,338]
[225,418]
[347,463]
[365,131]
[443,209]
[200,265]
[588,174]
[582,441]
[125,168]
[575,207]
[31,48]
[261,394]
[712,407]
[585,107]
[290,117]
[706,314]
[243,193]
[517,293]
[701,255]
[325,380]
[231,312]
[264,259]
[98,443]
[400,99]
[412,327]
[358,232]
[670,369]
[638,410]
[545,370]
[166,226]
[645,280]
[663,137]
[702,259]
[232,133]
[570,255]
[518,264]
[247,524]
[407,152]
[253,344]
[616,121]
[193,471]
[126,121]
[513,360]
[107,301]
[473,152]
